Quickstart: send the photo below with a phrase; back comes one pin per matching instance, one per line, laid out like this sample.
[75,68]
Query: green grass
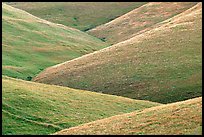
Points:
[80,15]
[30,44]
[180,118]
[34,108]
[139,19]
[162,65]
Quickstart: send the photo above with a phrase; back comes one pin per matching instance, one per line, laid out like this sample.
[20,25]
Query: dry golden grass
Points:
[139,20]
[91,59]
[172,119]
[157,65]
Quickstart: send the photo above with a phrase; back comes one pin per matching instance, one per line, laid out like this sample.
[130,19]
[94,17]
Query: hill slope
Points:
[80,15]
[162,65]
[31,44]
[172,119]
[34,108]
[139,19]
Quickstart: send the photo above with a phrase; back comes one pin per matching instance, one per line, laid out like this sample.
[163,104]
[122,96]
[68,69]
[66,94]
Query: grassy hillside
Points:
[34,108]
[162,65]
[172,119]
[30,44]
[80,15]
[139,19]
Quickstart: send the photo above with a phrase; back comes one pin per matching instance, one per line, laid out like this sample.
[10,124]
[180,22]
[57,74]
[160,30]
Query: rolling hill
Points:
[34,108]
[180,118]
[80,15]
[163,64]
[138,20]
[30,44]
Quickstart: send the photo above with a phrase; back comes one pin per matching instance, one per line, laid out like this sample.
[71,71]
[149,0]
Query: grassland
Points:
[180,118]
[30,44]
[162,65]
[156,58]
[34,108]
[80,15]
[138,20]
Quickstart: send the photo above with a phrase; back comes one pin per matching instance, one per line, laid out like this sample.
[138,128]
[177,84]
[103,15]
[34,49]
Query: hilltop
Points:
[31,44]
[80,15]
[139,20]
[163,64]
[180,118]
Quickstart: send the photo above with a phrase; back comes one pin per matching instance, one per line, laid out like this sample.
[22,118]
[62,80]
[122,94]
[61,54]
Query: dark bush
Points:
[29,78]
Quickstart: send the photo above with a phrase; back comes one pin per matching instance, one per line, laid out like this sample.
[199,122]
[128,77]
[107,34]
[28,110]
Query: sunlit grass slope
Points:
[162,65]
[180,118]
[30,44]
[138,20]
[34,108]
[80,15]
